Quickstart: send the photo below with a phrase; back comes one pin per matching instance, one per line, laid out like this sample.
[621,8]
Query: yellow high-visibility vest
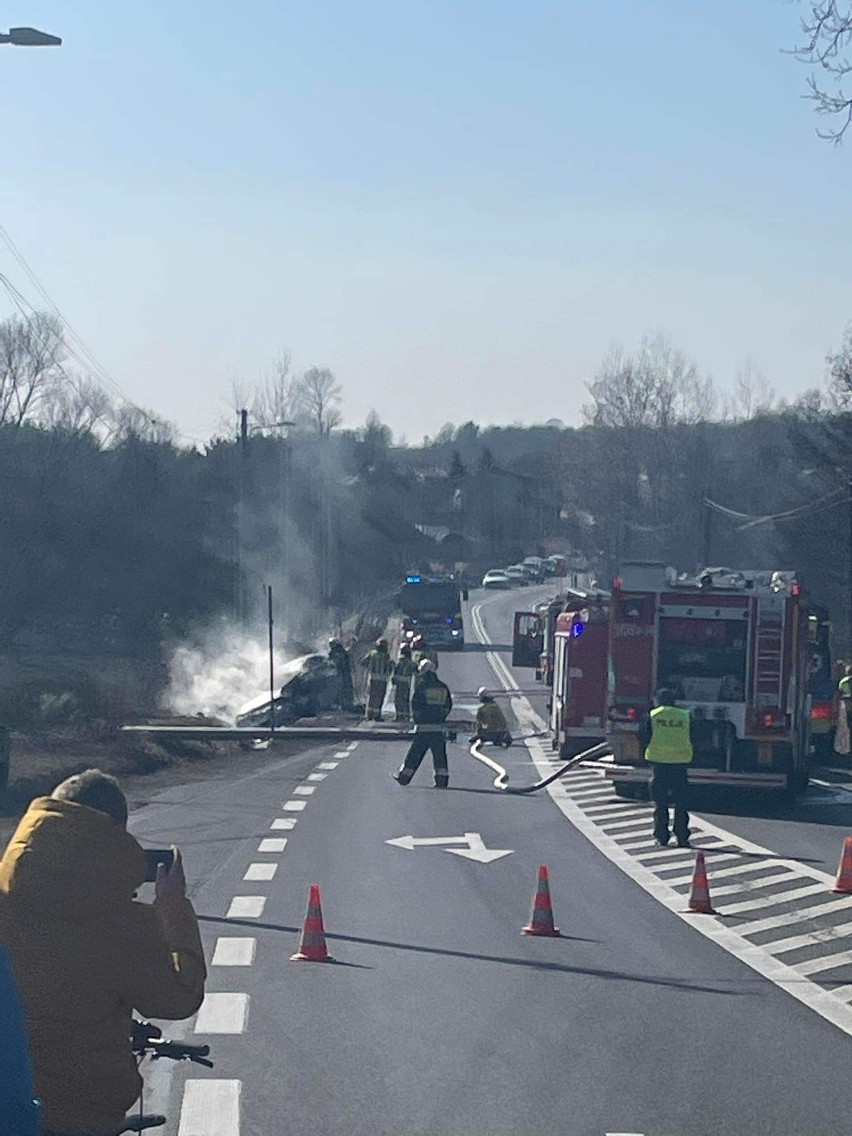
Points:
[670,742]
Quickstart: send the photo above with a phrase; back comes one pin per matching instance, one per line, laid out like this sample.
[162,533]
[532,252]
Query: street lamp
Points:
[29,37]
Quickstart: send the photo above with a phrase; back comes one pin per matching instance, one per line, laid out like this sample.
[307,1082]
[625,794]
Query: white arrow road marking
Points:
[475,850]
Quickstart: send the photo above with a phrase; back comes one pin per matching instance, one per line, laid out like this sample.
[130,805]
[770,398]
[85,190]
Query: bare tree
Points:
[281,397]
[752,395]
[321,396]
[79,405]
[144,425]
[31,353]
[839,364]
[654,387]
[826,32]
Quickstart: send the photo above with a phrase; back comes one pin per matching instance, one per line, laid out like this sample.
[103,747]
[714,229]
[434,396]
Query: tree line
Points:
[116,537]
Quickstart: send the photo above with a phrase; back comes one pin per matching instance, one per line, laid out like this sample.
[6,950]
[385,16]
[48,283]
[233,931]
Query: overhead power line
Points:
[76,348]
[837,496]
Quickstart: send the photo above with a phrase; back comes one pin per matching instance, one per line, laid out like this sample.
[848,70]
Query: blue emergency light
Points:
[412,579]
[577,629]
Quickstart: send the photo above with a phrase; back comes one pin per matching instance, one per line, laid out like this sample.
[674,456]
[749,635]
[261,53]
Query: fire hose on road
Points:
[501,781]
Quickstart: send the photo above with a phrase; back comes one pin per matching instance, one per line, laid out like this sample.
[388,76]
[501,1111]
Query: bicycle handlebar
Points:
[147,1039]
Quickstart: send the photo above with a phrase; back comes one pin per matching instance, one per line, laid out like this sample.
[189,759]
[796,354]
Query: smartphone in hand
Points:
[155,857]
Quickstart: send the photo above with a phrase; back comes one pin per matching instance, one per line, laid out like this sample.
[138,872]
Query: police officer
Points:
[379,669]
[431,704]
[667,737]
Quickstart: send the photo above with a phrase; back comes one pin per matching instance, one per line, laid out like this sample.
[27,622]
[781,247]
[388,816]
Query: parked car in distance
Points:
[535,566]
[516,574]
[496,578]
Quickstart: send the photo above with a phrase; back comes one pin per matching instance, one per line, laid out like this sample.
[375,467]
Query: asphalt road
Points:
[438,1018]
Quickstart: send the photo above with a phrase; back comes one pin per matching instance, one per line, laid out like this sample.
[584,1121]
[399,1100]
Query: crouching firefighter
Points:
[491,723]
[667,736]
[431,704]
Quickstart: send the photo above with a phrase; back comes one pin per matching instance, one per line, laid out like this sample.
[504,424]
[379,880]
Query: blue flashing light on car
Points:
[413,579]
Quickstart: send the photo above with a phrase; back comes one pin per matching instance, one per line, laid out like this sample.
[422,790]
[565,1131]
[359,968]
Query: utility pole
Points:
[242,479]
[706,533]
[849,561]
[270,626]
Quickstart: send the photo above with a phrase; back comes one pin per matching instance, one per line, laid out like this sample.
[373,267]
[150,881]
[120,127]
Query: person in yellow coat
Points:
[84,953]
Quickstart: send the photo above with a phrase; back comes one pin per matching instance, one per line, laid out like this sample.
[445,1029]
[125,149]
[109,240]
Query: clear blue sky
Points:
[457,205]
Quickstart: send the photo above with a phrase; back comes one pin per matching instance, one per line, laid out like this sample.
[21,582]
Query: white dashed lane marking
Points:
[234,952]
[317,776]
[246,907]
[260,873]
[328,765]
[305,790]
[294,806]
[210,1108]
[284,824]
[272,844]
[222,1013]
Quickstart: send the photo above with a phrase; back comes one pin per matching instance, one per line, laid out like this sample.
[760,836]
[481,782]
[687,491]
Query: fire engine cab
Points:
[733,647]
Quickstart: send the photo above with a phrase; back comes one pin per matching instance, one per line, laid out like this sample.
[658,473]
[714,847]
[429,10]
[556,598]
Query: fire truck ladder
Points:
[769,653]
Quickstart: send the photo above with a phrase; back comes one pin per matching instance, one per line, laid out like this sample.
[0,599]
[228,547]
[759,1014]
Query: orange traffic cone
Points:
[312,944]
[843,884]
[541,915]
[699,896]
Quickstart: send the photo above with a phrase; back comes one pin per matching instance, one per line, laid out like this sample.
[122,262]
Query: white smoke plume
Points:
[220,672]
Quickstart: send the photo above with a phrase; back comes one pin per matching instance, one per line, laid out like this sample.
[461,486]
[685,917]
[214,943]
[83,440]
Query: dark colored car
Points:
[311,686]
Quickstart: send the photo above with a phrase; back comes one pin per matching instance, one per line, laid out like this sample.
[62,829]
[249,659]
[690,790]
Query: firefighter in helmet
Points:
[667,737]
[431,704]
[339,657]
[403,674]
[379,667]
[491,725]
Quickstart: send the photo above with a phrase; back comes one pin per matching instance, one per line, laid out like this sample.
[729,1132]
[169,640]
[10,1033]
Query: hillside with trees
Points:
[120,541]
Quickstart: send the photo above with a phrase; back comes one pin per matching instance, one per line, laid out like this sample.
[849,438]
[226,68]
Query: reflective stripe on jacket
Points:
[404,672]
[378,664]
[670,743]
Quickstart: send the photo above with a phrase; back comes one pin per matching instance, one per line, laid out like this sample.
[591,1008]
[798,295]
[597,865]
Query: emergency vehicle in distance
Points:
[566,639]
[734,647]
[534,631]
[432,606]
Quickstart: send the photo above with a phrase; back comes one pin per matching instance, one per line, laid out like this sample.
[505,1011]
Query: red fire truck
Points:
[733,646]
[578,702]
[534,632]
[566,640]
